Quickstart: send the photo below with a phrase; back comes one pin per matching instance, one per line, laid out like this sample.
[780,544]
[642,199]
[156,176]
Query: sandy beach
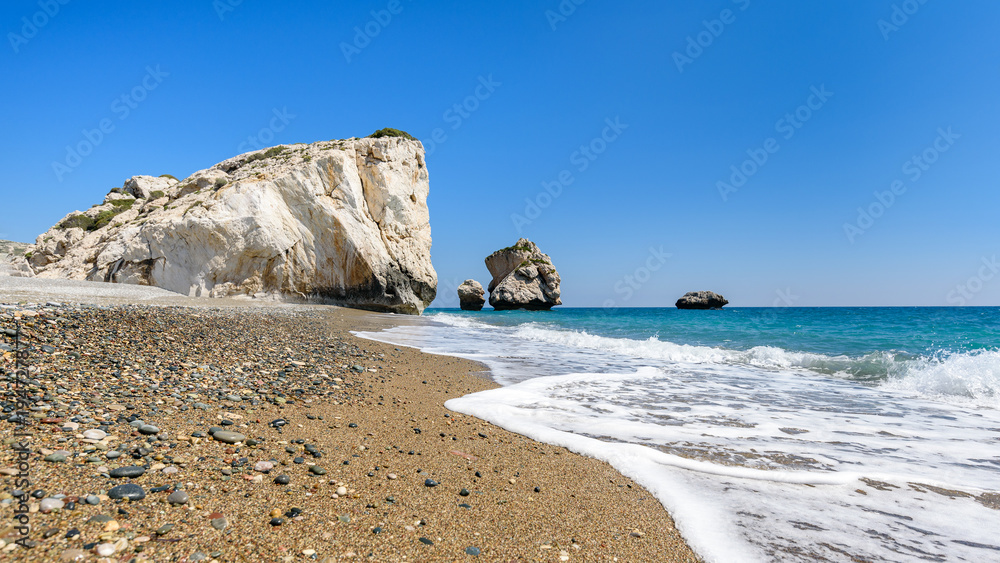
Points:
[342,449]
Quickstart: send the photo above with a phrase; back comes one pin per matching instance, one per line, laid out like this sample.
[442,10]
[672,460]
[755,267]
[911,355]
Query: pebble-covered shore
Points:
[249,434]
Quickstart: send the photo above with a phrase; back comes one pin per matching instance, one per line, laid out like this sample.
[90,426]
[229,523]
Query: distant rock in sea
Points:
[342,222]
[701,300]
[470,296]
[523,278]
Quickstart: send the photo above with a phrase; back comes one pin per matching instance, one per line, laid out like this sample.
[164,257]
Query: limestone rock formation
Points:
[470,296]
[701,300]
[12,260]
[342,222]
[523,278]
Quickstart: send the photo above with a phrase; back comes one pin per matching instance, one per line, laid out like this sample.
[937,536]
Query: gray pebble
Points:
[130,491]
[229,437]
[127,471]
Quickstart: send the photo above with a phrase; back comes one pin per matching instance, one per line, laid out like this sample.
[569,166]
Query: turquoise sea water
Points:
[770,434]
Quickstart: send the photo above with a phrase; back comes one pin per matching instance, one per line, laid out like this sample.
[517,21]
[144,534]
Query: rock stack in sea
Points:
[471,296]
[523,278]
[343,222]
[701,300]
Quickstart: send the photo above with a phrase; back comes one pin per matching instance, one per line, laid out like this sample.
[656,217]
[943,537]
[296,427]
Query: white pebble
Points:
[50,504]
[95,434]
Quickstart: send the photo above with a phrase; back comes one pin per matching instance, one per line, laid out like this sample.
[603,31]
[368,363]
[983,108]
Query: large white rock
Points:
[523,278]
[470,296]
[343,222]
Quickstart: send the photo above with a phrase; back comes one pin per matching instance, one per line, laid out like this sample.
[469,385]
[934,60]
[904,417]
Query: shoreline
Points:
[582,510]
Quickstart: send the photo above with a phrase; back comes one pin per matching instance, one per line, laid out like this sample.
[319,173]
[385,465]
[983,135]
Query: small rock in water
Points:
[178,497]
[130,491]
[127,471]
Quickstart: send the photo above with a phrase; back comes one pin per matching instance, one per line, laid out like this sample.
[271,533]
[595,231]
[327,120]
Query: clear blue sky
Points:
[692,112]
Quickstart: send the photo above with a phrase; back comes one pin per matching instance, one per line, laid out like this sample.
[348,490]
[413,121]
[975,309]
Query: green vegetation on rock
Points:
[102,220]
[390,132]
[77,222]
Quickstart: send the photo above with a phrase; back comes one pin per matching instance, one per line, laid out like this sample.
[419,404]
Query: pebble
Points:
[127,471]
[54,458]
[317,470]
[426,541]
[229,437]
[99,519]
[178,497]
[263,466]
[105,549]
[277,521]
[464,492]
[220,523]
[95,434]
[282,479]
[130,491]
[341,491]
[92,500]
[474,551]
[50,504]
[164,529]
[113,454]
[430,483]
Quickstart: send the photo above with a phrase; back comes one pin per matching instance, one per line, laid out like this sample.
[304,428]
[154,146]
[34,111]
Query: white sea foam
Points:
[760,454]
[766,466]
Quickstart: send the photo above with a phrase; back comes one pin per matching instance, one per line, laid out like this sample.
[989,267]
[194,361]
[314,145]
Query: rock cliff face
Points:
[12,261]
[342,222]
[523,278]
[701,300]
[470,296]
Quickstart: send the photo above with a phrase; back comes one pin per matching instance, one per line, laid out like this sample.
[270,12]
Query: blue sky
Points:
[839,97]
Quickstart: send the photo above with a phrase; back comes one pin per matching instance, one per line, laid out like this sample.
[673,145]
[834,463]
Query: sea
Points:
[769,434]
